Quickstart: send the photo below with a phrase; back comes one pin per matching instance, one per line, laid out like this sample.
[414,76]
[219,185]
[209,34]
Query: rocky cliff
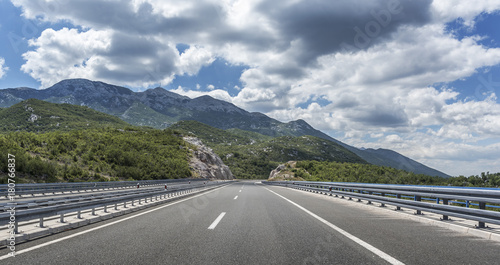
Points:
[205,163]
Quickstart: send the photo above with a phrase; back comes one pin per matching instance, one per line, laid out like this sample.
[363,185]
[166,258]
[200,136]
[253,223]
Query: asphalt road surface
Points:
[250,223]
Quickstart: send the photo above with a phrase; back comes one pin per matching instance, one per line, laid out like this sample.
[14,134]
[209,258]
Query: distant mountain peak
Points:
[24,88]
[160,91]
[79,85]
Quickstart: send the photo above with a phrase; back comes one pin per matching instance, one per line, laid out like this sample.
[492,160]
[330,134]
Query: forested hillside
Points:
[39,116]
[366,173]
[95,155]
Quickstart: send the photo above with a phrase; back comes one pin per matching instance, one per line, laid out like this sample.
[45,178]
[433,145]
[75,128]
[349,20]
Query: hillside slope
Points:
[252,155]
[38,116]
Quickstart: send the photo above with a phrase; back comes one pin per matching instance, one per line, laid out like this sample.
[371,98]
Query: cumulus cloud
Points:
[449,10]
[3,68]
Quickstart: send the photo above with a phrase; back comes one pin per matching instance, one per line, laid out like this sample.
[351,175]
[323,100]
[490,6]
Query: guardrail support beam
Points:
[445,217]
[382,204]
[418,198]
[482,206]
[398,196]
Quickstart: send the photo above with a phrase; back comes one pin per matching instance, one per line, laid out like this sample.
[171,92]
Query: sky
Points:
[417,77]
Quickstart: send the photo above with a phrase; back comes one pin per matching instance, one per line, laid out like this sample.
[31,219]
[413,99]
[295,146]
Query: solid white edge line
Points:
[235,198]
[216,222]
[371,248]
[102,226]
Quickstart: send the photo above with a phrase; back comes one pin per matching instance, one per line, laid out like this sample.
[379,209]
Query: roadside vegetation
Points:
[366,173]
[95,155]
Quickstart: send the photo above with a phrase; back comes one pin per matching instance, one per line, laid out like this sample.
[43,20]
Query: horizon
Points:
[419,78]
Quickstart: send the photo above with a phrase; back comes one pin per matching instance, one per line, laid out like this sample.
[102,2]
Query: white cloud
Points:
[210,87]
[3,68]
[66,53]
[192,59]
[448,10]
[109,56]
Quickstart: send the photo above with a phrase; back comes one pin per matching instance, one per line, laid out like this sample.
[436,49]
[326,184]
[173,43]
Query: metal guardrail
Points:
[39,188]
[65,198]
[408,196]
[65,206]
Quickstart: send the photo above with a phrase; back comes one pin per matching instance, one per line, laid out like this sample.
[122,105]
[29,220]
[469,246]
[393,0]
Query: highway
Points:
[250,223]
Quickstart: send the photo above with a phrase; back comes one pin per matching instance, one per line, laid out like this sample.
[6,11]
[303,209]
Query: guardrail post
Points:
[93,211]
[371,193]
[105,208]
[40,224]
[418,198]
[467,204]
[116,206]
[382,204]
[79,215]
[124,204]
[398,196]
[445,202]
[482,206]
[61,218]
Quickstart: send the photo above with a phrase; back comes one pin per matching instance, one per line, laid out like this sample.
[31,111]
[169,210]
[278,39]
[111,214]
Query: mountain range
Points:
[160,108]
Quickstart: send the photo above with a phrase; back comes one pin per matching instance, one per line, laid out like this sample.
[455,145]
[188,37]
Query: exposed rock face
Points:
[205,163]
[274,173]
[284,172]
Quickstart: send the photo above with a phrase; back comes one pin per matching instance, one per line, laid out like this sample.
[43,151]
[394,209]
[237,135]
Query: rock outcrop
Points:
[205,163]
[285,171]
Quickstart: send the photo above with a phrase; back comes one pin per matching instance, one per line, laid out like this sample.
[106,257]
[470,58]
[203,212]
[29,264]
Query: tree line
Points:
[366,173]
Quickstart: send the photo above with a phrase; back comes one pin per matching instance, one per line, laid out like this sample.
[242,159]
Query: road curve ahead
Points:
[249,223]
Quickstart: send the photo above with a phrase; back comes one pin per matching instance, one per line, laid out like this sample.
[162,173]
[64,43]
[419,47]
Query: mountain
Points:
[389,158]
[39,116]
[160,108]
[156,107]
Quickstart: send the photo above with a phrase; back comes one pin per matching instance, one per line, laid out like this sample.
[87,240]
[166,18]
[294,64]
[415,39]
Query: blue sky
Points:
[418,77]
